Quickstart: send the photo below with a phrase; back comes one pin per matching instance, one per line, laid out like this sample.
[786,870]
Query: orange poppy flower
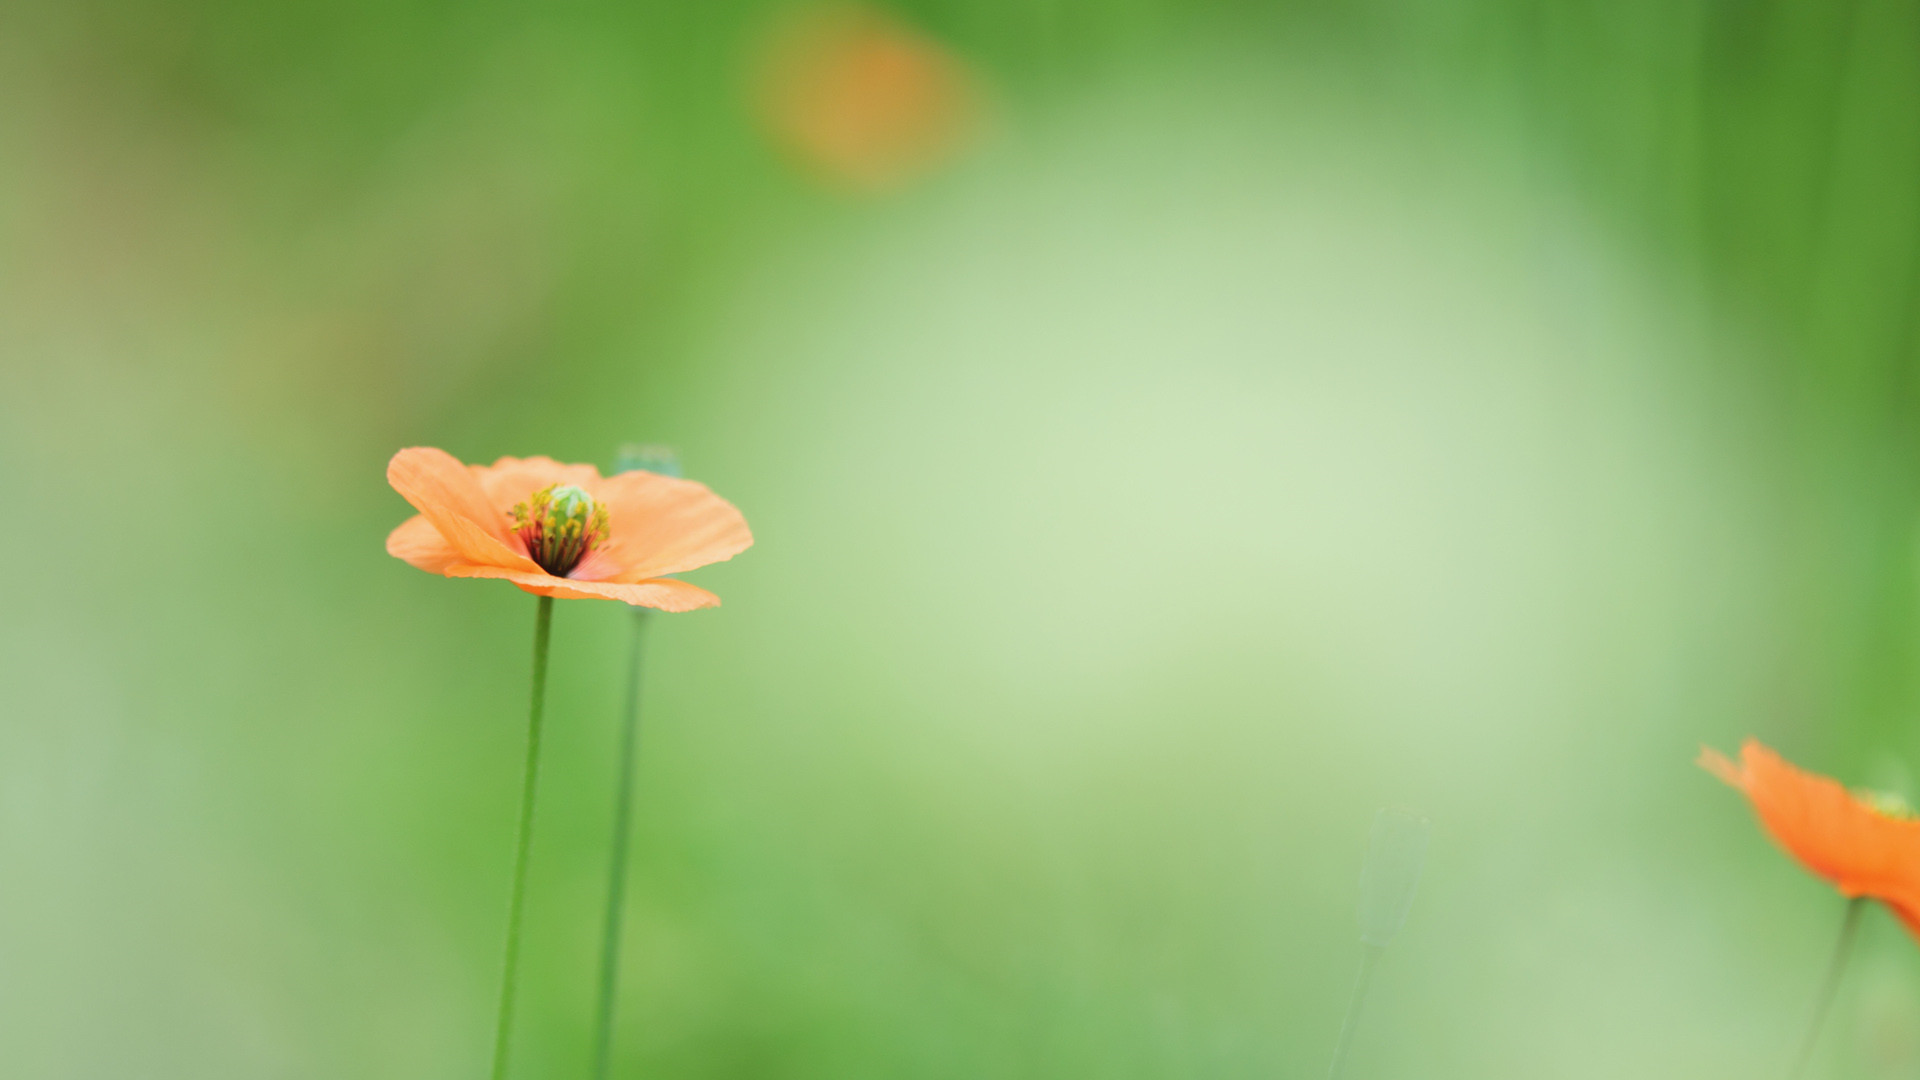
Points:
[563,530]
[1864,843]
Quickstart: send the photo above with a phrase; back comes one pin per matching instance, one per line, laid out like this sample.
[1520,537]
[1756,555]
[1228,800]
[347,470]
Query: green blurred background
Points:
[1242,417]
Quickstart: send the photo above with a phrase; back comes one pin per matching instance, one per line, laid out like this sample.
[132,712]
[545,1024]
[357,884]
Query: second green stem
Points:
[617,868]
[1828,985]
[1369,956]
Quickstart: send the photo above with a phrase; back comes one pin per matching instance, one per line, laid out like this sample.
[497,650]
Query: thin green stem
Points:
[1368,958]
[542,631]
[617,868]
[1835,967]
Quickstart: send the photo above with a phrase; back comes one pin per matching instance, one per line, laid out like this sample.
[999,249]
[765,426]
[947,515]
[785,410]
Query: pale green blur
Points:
[1273,413]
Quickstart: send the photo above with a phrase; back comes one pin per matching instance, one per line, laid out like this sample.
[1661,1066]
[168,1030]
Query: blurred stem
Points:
[542,630]
[617,868]
[1368,959]
[1831,983]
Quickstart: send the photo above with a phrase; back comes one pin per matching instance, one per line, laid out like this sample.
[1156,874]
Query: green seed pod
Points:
[571,507]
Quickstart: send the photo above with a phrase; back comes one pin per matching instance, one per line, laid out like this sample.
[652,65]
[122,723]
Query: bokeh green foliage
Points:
[1284,410]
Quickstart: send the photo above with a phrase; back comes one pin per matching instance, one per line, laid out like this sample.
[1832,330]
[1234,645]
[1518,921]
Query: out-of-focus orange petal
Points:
[664,594]
[449,495]
[420,544]
[1862,851]
[661,525]
[1723,770]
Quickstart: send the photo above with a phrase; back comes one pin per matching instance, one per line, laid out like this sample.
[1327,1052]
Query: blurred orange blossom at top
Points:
[864,99]
[1866,845]
[563,531]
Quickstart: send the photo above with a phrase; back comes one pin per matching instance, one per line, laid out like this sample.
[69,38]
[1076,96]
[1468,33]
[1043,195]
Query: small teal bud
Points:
[1396,854]
[641,457]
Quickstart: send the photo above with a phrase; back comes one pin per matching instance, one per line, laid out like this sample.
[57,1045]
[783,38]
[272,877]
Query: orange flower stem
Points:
[617,869]
[1368,959]
[542,631]
[1835,967]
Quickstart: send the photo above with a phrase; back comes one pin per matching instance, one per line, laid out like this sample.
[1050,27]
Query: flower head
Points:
[1864,843]
[563,530]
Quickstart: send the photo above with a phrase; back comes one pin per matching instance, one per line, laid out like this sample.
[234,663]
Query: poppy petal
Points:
[420,544]
[449,496]
[664,594]
[509,481]
[662,525]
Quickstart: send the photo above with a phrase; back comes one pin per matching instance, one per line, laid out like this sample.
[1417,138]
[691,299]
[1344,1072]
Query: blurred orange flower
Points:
[864,98]
[563,530]
[1866,844]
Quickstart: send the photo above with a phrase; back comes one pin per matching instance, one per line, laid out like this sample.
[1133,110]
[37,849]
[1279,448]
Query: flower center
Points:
[560,523]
